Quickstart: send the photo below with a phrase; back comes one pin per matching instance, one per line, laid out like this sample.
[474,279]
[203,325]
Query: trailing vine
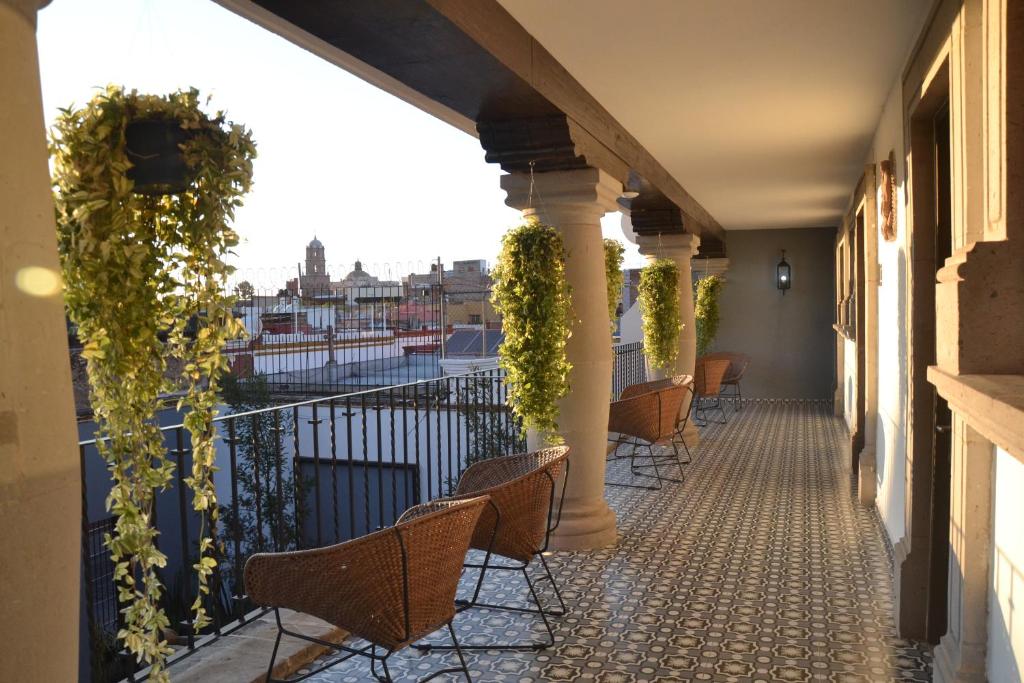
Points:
[706,311]
[659,311]
[138,269]
[532,295]
[613,251]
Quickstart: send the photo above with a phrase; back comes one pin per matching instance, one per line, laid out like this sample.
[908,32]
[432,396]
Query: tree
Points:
[245,290]
[264,516]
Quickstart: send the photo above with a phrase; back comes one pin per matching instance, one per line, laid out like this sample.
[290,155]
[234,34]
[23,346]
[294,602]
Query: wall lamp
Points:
[783,274]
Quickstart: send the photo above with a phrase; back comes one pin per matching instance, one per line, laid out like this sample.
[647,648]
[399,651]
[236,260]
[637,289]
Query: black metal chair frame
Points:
[667,459]
[544,613]
[735,396]
[704,406]
[372,647]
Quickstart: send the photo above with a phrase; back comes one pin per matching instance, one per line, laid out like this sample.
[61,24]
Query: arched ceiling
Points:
[763,110]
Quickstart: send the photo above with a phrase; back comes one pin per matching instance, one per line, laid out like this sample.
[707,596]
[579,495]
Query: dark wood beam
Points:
[475,59]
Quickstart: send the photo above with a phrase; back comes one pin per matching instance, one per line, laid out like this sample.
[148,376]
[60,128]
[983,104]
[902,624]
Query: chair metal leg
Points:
[458,651]
[718,404]
[679,462]
[386,678]
[543,615]
[467,604]
[554,585]
[632,468]
[273,655]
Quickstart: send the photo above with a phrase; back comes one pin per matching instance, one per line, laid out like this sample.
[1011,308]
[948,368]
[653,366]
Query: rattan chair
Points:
[707,379]
[738,363]
[517,526]
[391,587]
[684,412]
[648,420]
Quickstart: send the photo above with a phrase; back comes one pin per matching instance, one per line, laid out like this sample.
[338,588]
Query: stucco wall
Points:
[891,437]
[789,338]
[1006,597]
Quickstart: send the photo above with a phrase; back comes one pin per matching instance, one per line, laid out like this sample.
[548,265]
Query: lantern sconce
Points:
[783,274]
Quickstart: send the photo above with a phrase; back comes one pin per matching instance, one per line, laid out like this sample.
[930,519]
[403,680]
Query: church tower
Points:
[316,279]
[316,262]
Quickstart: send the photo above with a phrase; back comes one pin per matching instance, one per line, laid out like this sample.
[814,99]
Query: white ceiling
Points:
[762,109]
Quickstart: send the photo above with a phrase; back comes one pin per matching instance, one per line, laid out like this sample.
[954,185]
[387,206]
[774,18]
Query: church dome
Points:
[316,244]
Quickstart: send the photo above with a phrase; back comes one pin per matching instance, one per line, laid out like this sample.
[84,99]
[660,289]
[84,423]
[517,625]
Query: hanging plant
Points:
[706,311]
[614,278]
[659,311]
[531,294]
[140,264]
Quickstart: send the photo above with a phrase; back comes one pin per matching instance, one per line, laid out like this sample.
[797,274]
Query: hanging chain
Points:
[529,198]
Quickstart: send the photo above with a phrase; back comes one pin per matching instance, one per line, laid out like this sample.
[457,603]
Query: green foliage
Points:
[614,277]
[244,290]
[659,311]
[705,308]
[491,432]
[137,269]
[266,481]
[532,296]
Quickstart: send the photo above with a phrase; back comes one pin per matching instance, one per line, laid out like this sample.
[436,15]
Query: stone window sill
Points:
[991,404]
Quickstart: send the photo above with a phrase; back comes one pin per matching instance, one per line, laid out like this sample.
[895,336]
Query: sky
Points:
[372,177]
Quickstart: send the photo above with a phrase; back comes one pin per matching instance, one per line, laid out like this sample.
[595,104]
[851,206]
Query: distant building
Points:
[315,281]
[466,281]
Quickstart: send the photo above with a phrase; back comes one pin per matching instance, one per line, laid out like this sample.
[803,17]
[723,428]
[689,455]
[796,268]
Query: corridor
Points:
[759,567]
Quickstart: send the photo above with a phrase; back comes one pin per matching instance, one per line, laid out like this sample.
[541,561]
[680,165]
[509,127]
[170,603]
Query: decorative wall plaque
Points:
[888,178]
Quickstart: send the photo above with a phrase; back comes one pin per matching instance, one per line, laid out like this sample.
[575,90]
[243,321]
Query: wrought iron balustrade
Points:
[301,475]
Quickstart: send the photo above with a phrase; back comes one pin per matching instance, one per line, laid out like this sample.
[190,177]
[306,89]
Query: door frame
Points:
[913,552]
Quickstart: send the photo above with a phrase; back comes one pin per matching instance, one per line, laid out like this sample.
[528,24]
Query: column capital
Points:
[26,8]
[679,248]
[586,189]
[709,266]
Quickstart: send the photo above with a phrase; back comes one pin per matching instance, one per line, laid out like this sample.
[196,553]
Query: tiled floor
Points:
[759,567]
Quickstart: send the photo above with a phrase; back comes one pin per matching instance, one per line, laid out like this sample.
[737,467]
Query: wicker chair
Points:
[738,363]
[684,413]
[517,525]
[648,420]
[391,587]
[707,378]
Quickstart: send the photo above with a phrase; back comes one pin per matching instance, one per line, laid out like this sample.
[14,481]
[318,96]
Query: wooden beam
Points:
[474,59]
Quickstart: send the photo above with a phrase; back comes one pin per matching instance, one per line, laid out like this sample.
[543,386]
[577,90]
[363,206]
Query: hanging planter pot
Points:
[146,284]
[154,146]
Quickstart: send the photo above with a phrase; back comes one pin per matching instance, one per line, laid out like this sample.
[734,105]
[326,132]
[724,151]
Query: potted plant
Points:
[659,311]
[705,307]
[614,278]
[143,253]
[532,296]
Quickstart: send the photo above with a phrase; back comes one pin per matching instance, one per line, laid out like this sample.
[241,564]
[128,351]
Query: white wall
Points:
[893,322]
[849,381]
[1006,596]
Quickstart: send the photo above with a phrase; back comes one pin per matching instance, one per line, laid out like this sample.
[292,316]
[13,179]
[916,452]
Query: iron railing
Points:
[301,475]
[294,476]
[630,367]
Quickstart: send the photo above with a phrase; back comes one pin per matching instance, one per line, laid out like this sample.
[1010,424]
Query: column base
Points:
[867,477]
[585,525]
[957,663]
[691,435]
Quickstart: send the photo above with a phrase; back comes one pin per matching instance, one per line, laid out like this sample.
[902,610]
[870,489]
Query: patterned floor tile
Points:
[760,566]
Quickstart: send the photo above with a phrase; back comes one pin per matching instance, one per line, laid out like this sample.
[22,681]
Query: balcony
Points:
[760,566]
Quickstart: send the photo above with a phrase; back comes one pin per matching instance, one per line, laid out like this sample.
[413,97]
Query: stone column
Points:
[960,655]
[680,248]
[40,494]
[574,202]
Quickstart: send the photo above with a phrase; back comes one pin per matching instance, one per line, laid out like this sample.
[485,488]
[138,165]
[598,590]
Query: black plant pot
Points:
[154,148]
